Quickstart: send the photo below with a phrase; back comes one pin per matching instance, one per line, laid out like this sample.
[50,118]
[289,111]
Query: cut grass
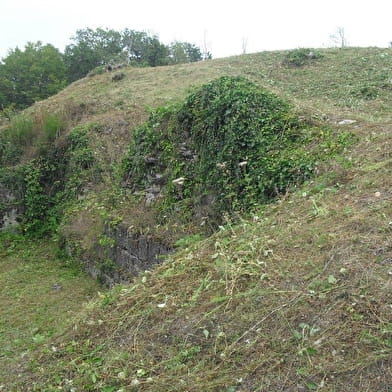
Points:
[39,296]
[296,297]
[355,81]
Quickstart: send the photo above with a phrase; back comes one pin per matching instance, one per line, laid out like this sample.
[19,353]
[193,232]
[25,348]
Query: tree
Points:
[143,49]
[184,52]
[156,53]
[91,48]
[339,38]
[32,74]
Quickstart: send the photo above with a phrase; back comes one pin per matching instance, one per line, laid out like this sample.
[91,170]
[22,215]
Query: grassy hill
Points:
[296,296]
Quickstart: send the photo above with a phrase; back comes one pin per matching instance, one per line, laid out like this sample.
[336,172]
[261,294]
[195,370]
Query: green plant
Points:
[21,129]
[78,137]
[15,138]
[229,147]
[37,217]
[368,92]
[52,126]
[301,56]
[7,111]
[81,155]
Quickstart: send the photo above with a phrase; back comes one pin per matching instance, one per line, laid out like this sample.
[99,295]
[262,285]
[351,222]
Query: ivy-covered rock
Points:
[230,146]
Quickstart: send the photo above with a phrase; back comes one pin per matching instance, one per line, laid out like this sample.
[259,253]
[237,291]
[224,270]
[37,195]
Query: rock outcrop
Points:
[128,255]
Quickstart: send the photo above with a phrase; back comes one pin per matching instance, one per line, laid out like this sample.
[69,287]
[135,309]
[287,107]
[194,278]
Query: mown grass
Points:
[39,296]
[354,79]
[296,297]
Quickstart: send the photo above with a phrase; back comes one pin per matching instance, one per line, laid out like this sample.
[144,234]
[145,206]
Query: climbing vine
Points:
[227,148]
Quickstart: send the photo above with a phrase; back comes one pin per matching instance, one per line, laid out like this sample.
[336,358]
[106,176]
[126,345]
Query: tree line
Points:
[40,71]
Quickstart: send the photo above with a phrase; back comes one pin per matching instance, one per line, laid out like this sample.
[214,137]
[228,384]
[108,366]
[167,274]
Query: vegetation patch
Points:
[301,56]
[296,297]
[56,173]
[229,147]
[15,138]
[39,294]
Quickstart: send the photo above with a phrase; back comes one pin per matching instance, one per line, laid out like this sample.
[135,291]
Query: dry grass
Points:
[296,297]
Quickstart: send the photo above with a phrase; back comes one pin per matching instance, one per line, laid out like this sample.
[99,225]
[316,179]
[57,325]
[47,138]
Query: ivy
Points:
[46,184]
[227,148]
[36,217]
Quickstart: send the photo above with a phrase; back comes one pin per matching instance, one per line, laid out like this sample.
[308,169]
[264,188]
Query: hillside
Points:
[294,295]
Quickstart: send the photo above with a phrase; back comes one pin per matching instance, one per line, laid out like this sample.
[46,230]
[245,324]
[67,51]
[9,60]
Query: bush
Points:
[45,184]
[301,56]
[36,217]
[81,155]
[227,148]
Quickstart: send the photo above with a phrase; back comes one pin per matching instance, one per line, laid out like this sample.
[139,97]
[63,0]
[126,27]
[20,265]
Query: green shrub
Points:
[8,112]
[54,178]
[44,185]
[9,152]
[301,56]
[78,137]
[227,148]
[37,220]
[82,159]
[81,155]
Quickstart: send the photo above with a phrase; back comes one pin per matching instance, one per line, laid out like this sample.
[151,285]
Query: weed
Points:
[52,126]
[17,136]
[301,56]
[21,130]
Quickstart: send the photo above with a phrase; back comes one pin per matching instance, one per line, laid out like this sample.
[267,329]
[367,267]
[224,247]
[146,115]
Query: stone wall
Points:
[128,256]
[9,209]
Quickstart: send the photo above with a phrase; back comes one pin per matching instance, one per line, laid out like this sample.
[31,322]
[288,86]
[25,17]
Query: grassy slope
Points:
[296,298]
[39,295]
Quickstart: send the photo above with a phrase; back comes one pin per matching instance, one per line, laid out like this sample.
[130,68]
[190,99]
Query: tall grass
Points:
[52,126]
[21,130]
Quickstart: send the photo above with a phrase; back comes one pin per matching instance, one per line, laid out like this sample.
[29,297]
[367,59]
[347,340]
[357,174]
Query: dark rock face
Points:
[130,255]
[9,209]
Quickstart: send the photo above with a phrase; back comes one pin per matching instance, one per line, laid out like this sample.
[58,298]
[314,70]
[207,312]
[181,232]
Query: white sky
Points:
[222,24]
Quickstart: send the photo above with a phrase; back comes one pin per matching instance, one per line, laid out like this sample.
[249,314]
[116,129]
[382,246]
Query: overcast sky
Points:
[223,25]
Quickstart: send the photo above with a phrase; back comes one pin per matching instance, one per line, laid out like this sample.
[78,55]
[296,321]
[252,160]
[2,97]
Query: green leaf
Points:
[38,338]
[312,386]
[332,279]
[297,335]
